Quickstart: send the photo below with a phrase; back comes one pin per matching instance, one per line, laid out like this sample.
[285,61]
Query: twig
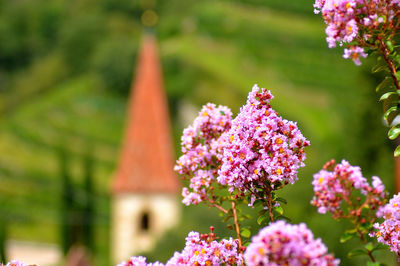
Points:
[269,203]
[371,256]
[219,207]
[392,68]
[235,218]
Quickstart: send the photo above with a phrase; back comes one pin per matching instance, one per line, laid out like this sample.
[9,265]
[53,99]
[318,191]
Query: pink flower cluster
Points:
[343,184]
[388,232]
[139,261]
[203,250]
[201,148]
[261,147]
[285,244]
[199,250]
[355,22]
[17,263]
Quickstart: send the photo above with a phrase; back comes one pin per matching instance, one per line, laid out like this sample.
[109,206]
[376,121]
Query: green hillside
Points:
[65,73]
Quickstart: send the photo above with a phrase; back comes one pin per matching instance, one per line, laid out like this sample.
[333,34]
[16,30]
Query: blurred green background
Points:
[65,73]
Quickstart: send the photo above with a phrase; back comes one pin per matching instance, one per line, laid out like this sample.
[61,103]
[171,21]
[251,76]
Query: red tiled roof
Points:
[146,161]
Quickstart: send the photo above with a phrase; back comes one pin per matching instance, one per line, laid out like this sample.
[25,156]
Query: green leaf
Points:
[392,116]
[394,132]
[257,202]
[279,210]
[281,200]
[378,68]
[397,151]
[227,217]
[383,83]
[389,111]
[388,95]
[283,217]
[366,227]
[357,252]
[261,218]
[397,59]
[389,45]
[370,263]
[347,236]
[245,232]
[379,246]
[369,246]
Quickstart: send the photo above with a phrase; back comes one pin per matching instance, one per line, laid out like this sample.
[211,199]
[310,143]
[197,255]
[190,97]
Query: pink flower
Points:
[355,53]
[388,232]
[356,22]
[338,187]
[16,263]
[261,148]
[285,244]
[204,250]
[201,148]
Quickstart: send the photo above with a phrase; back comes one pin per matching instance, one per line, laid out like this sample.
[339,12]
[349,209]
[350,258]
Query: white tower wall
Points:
[129,238]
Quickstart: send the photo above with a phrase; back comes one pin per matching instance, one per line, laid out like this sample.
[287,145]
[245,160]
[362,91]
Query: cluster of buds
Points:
[200,249]
[359,24]
[201,148]
[285,244]
[261,149]
[388,232]
[342,183]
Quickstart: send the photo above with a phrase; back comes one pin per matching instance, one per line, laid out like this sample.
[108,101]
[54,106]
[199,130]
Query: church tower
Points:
[145,187]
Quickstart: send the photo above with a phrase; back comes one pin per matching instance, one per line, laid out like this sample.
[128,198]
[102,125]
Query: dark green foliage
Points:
[3,239]
[78,206]
[77,39]
[113,61]
[70,224]
[66,202]
[89,205]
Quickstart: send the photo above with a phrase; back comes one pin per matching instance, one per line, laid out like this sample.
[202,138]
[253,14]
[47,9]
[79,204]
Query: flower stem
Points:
[235,218]
[371,256]
[219,207]
[269,205]
[389,62]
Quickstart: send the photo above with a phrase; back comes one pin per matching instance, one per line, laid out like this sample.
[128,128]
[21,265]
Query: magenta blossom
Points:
[201,148]
[204,250]
[355,53]
[357,22]
[346,185]
[17,263]
[285,244]
[199,250]
[261,148]
[388,232]
[139,261]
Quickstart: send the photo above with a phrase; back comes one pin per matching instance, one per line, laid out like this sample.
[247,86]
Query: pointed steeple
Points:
[146,161]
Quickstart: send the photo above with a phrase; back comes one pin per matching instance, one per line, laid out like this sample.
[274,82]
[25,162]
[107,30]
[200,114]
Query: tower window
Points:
[145,221]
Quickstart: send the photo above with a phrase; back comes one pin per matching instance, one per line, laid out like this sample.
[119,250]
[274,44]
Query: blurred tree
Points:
[88,209]
[78,37]
[3,238]
[131,8]
[113,61]
[69,216]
